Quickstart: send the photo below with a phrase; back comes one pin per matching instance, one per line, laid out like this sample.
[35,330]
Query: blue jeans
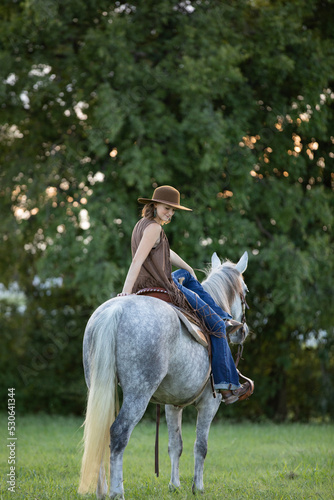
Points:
[223,367]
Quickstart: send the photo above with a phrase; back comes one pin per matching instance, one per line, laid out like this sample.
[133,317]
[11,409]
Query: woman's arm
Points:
[178,262]
[150,236]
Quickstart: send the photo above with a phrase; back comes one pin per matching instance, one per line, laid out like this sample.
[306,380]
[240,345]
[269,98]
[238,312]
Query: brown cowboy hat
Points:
[166,194]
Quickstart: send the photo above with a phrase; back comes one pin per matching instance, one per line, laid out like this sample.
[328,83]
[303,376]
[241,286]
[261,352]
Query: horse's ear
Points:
[215,261]
[241,266]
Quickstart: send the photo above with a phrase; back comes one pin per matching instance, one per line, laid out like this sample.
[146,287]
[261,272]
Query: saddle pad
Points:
[193,329]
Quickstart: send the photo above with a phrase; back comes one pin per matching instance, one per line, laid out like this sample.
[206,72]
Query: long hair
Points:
[148,212]
[101,405]
[222,283]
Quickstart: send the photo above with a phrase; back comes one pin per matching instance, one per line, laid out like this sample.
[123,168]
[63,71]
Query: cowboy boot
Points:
[243,392]
[232,326]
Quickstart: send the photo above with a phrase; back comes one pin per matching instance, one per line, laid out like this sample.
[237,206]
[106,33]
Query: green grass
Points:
[245,461]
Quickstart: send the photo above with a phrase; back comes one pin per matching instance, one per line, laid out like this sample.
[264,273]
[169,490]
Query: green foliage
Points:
[41,355]
[233,105]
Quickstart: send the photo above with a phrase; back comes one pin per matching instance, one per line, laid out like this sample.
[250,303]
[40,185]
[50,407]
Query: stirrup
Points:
[251,386]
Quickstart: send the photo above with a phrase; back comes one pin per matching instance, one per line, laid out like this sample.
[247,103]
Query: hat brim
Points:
[174,205]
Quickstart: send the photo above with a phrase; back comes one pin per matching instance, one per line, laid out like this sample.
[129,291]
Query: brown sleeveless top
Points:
[156,270]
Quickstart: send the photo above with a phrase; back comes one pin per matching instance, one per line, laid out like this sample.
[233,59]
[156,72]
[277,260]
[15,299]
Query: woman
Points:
[151,266]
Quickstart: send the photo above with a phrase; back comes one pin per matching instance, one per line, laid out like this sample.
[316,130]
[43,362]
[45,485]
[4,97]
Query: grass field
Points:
[245,461]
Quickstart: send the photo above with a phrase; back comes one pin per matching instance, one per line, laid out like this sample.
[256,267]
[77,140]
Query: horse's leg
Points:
[175,445]
[207,407]
[102,486]
[133,408]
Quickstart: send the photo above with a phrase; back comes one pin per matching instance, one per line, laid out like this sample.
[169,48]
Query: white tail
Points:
[100,413]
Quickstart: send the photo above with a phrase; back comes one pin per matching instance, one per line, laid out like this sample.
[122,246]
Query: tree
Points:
[232,104]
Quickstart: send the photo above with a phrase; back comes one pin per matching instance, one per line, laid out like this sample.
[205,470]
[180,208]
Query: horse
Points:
[139,343]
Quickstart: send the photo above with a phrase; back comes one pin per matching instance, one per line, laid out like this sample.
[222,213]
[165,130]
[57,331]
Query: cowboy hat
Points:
[166,194]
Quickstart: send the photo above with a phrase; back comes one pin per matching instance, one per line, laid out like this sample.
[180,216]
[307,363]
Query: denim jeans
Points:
[223,367]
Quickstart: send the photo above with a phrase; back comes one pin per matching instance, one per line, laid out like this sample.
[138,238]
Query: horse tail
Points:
[101,405]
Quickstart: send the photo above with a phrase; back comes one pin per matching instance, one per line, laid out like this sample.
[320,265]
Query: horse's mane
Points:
[222,283]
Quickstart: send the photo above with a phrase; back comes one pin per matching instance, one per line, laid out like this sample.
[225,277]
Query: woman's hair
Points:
[148,210]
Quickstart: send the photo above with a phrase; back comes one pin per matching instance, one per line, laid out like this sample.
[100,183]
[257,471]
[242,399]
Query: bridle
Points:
[244,306]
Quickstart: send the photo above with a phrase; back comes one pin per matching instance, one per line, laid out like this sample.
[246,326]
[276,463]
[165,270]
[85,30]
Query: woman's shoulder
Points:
[144,222]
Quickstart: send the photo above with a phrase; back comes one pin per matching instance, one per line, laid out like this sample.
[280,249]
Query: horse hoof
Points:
[101,496]
[197,491]
[172,488]
[117,496]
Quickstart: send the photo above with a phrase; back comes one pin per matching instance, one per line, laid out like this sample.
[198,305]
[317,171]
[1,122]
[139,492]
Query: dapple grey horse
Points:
[138,342]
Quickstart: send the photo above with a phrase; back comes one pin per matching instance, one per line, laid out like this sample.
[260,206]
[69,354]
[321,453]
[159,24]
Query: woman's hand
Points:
[192,272]
[178,262]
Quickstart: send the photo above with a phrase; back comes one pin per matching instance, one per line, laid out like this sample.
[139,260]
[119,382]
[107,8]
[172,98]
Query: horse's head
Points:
[228,289]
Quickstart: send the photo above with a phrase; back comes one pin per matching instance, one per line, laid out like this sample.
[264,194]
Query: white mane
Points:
[223,283]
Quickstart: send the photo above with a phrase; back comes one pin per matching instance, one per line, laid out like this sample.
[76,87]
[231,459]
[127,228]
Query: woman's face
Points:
[164,212]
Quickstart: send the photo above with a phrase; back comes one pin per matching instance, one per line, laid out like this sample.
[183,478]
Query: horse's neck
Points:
[215,285]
